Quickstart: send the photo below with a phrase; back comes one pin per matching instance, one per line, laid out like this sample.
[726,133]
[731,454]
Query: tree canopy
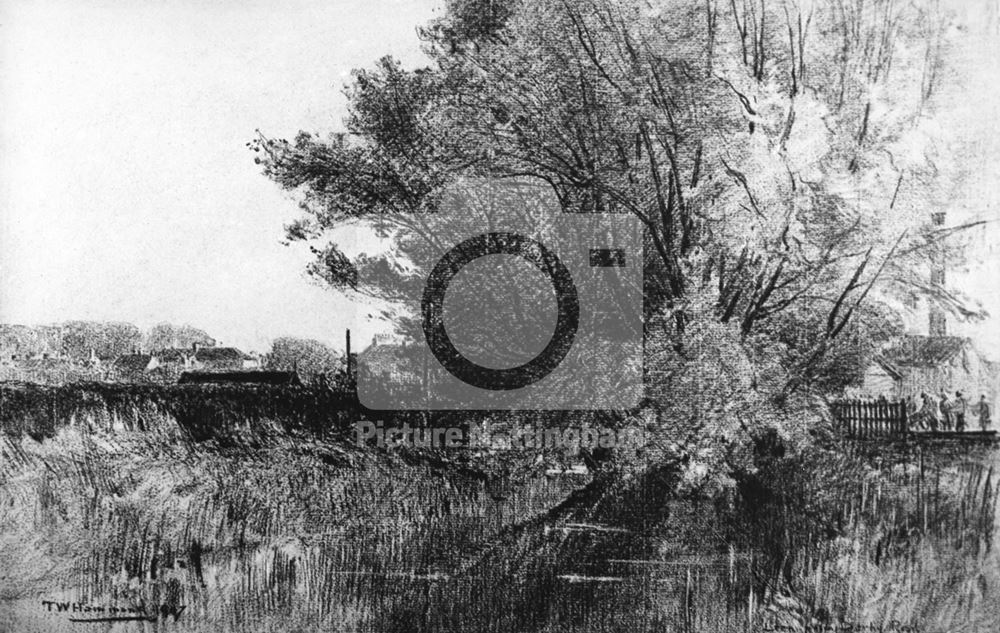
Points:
[783,157]
[309,357]
[168,335]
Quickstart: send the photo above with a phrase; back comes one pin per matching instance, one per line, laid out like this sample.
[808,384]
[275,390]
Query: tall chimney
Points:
[936,321]
[350,374]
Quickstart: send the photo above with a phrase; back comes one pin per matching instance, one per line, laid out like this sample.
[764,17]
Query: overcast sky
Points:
[127,192]
[126,189]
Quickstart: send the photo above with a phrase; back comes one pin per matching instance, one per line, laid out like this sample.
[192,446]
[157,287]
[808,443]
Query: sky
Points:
[126,189]
[970,109]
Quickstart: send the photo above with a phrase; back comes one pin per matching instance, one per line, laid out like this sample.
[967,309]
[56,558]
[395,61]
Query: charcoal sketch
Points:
[500,315]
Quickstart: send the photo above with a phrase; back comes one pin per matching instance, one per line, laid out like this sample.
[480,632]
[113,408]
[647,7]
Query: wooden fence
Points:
[871,418]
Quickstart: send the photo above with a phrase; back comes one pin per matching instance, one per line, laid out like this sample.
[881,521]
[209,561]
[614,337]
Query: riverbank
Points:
[310,534]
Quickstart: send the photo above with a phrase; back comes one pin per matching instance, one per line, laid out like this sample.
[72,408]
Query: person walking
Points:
[959,408]
[945,404]
[982,411]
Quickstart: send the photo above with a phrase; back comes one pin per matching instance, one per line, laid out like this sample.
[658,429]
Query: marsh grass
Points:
[921,546]
[277,529]
[202,411]
[318,530]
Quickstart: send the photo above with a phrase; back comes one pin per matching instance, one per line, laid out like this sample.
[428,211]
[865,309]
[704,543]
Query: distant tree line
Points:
[77,340]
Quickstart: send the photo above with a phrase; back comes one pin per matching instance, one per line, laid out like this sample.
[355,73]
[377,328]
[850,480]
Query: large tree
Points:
[783,158]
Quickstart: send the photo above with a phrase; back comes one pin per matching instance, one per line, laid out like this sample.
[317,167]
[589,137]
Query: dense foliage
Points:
[783,159]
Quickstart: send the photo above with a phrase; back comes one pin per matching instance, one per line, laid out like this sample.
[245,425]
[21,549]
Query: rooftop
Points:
[924,351]
[133,362]
[204,354]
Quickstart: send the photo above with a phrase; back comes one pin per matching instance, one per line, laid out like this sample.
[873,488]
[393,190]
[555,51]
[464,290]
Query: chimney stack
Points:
[348,354]
[937,323]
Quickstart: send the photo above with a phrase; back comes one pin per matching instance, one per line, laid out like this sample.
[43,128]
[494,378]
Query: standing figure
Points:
[945,404]
[982,410]
[913,416]
[959,408]
[932,414]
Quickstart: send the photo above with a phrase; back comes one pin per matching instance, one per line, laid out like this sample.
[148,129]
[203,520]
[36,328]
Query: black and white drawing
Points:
[500,315]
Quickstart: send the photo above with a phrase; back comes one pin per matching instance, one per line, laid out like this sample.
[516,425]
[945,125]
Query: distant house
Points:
[222,358]
[932,364]
[392,364]
[198,358]
[246,377]
[93,360]
[135,367]
[169,364]
[48,369]
[47,364]
[882,378]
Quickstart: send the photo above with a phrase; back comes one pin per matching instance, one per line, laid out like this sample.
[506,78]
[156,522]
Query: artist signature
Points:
[86,612]
[844,627]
